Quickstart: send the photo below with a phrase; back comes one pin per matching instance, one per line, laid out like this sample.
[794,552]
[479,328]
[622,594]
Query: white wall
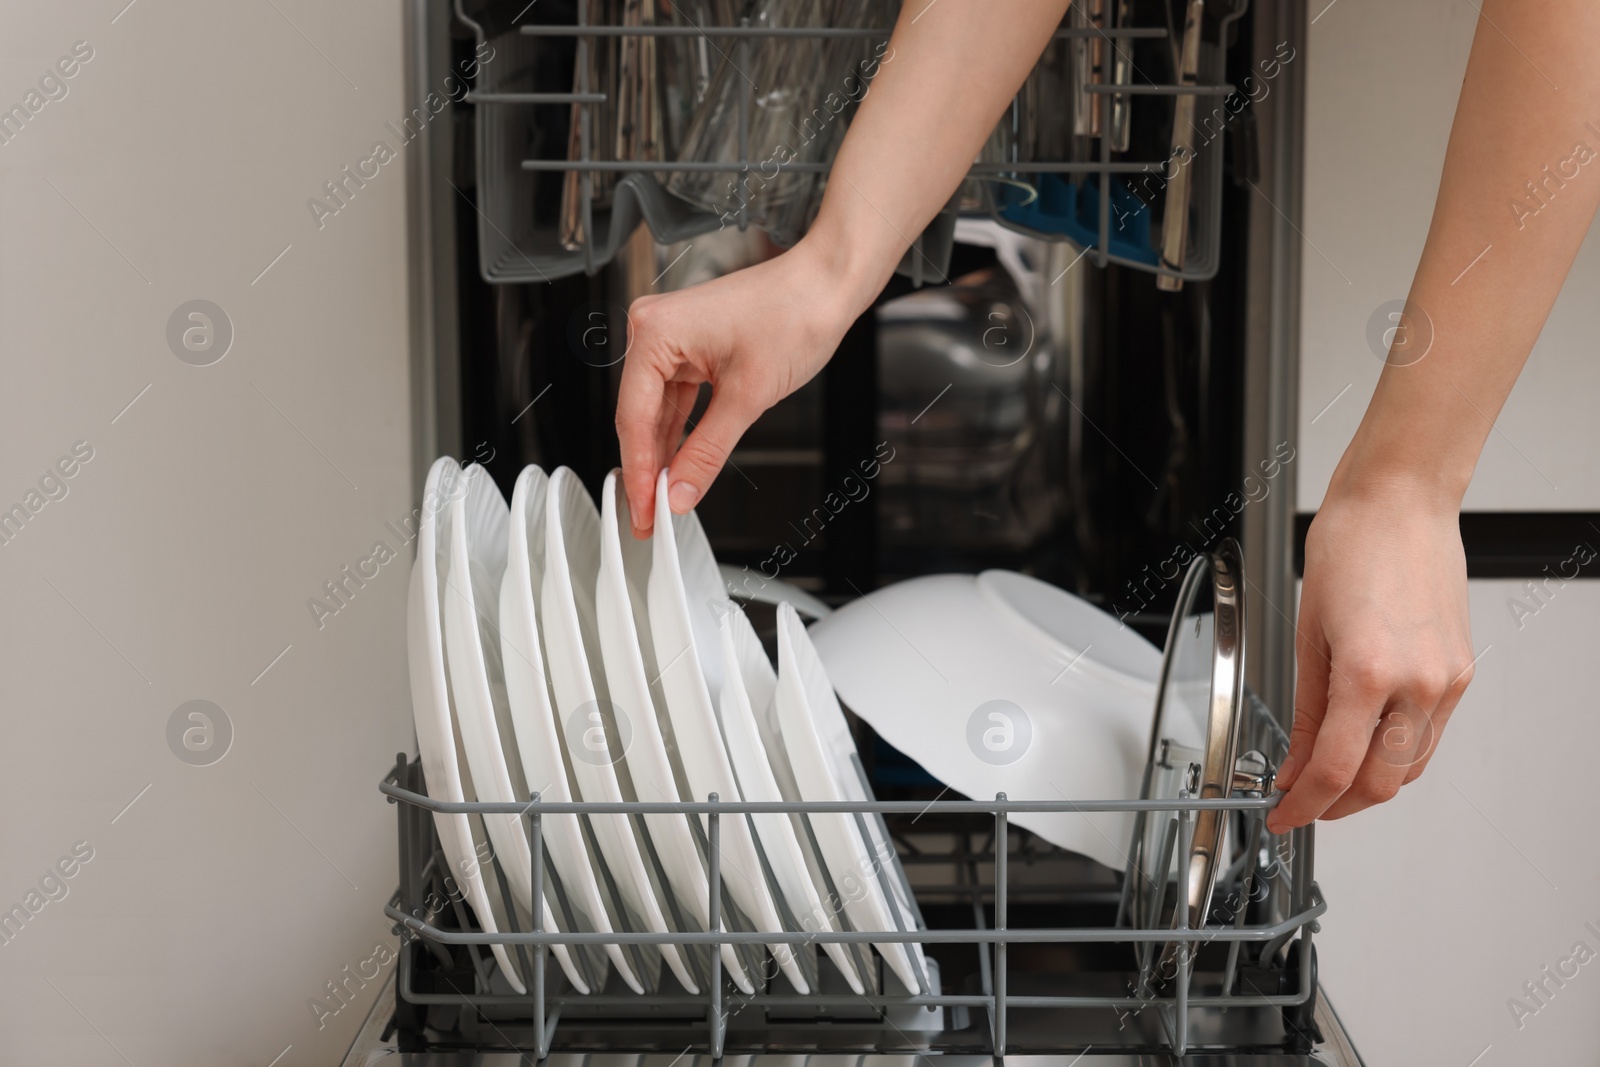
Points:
[180,561]
[1445,901]
[1383,80]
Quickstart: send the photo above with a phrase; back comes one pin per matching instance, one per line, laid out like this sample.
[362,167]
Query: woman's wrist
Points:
[836,270]
[1410,475]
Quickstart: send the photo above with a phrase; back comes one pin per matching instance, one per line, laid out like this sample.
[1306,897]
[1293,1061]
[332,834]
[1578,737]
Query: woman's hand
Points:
[756,335]
[1384,649]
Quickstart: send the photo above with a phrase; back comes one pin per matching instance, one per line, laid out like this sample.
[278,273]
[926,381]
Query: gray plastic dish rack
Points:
[1033,949]
[515,150]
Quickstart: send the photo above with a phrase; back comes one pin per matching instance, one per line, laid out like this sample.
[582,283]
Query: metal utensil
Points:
[1079,64]
[596,67]
[1095,15]
[638,105]
[572,183]
[1175,224]
[1121,74]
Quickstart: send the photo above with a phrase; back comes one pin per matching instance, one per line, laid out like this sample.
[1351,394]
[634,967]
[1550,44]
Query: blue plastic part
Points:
[1072,210]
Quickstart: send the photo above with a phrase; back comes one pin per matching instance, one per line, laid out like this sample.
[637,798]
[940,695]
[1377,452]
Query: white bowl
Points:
[1002,683]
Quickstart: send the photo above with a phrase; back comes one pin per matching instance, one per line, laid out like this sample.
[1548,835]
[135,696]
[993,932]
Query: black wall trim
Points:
[1505,544]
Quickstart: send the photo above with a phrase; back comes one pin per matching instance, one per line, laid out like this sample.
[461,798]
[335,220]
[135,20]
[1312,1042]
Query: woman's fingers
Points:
[1429,731]
[1310,696]
[1338,751]
[1380,729]
[657,389]
[669,430]
[1403,736]
[641,412]
[1406,737]
[702,455]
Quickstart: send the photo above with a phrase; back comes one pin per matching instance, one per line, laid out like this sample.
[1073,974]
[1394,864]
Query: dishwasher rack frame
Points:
[507,237]
[1286,888]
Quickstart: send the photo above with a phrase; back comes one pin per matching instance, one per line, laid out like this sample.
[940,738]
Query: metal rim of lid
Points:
[1222,734]
[1223,566]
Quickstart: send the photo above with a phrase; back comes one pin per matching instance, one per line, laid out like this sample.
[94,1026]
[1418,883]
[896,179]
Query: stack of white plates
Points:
[552,652]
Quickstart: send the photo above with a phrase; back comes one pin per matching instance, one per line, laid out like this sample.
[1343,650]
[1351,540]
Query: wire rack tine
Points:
[715,1021]
[1001,866]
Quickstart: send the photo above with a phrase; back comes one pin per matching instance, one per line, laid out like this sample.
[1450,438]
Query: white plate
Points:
[533,715]
[1001,682]
[809,715]
[685,600]
[629,658]
[743,584]
[583,706]
[478,524]
[749,688]
[436,734]
[840,747]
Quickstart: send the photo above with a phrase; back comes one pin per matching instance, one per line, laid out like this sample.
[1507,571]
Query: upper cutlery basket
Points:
[1030,948]
[696,115]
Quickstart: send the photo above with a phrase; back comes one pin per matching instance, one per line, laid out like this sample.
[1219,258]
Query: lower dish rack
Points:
[1032,949]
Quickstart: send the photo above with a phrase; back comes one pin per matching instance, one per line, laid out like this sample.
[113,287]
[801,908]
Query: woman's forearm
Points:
[950,70]
[1520,186]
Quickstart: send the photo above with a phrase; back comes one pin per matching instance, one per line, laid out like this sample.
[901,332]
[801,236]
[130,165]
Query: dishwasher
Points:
[1120,264]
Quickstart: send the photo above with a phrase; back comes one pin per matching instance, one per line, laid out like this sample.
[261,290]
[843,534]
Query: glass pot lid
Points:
[1194,735]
